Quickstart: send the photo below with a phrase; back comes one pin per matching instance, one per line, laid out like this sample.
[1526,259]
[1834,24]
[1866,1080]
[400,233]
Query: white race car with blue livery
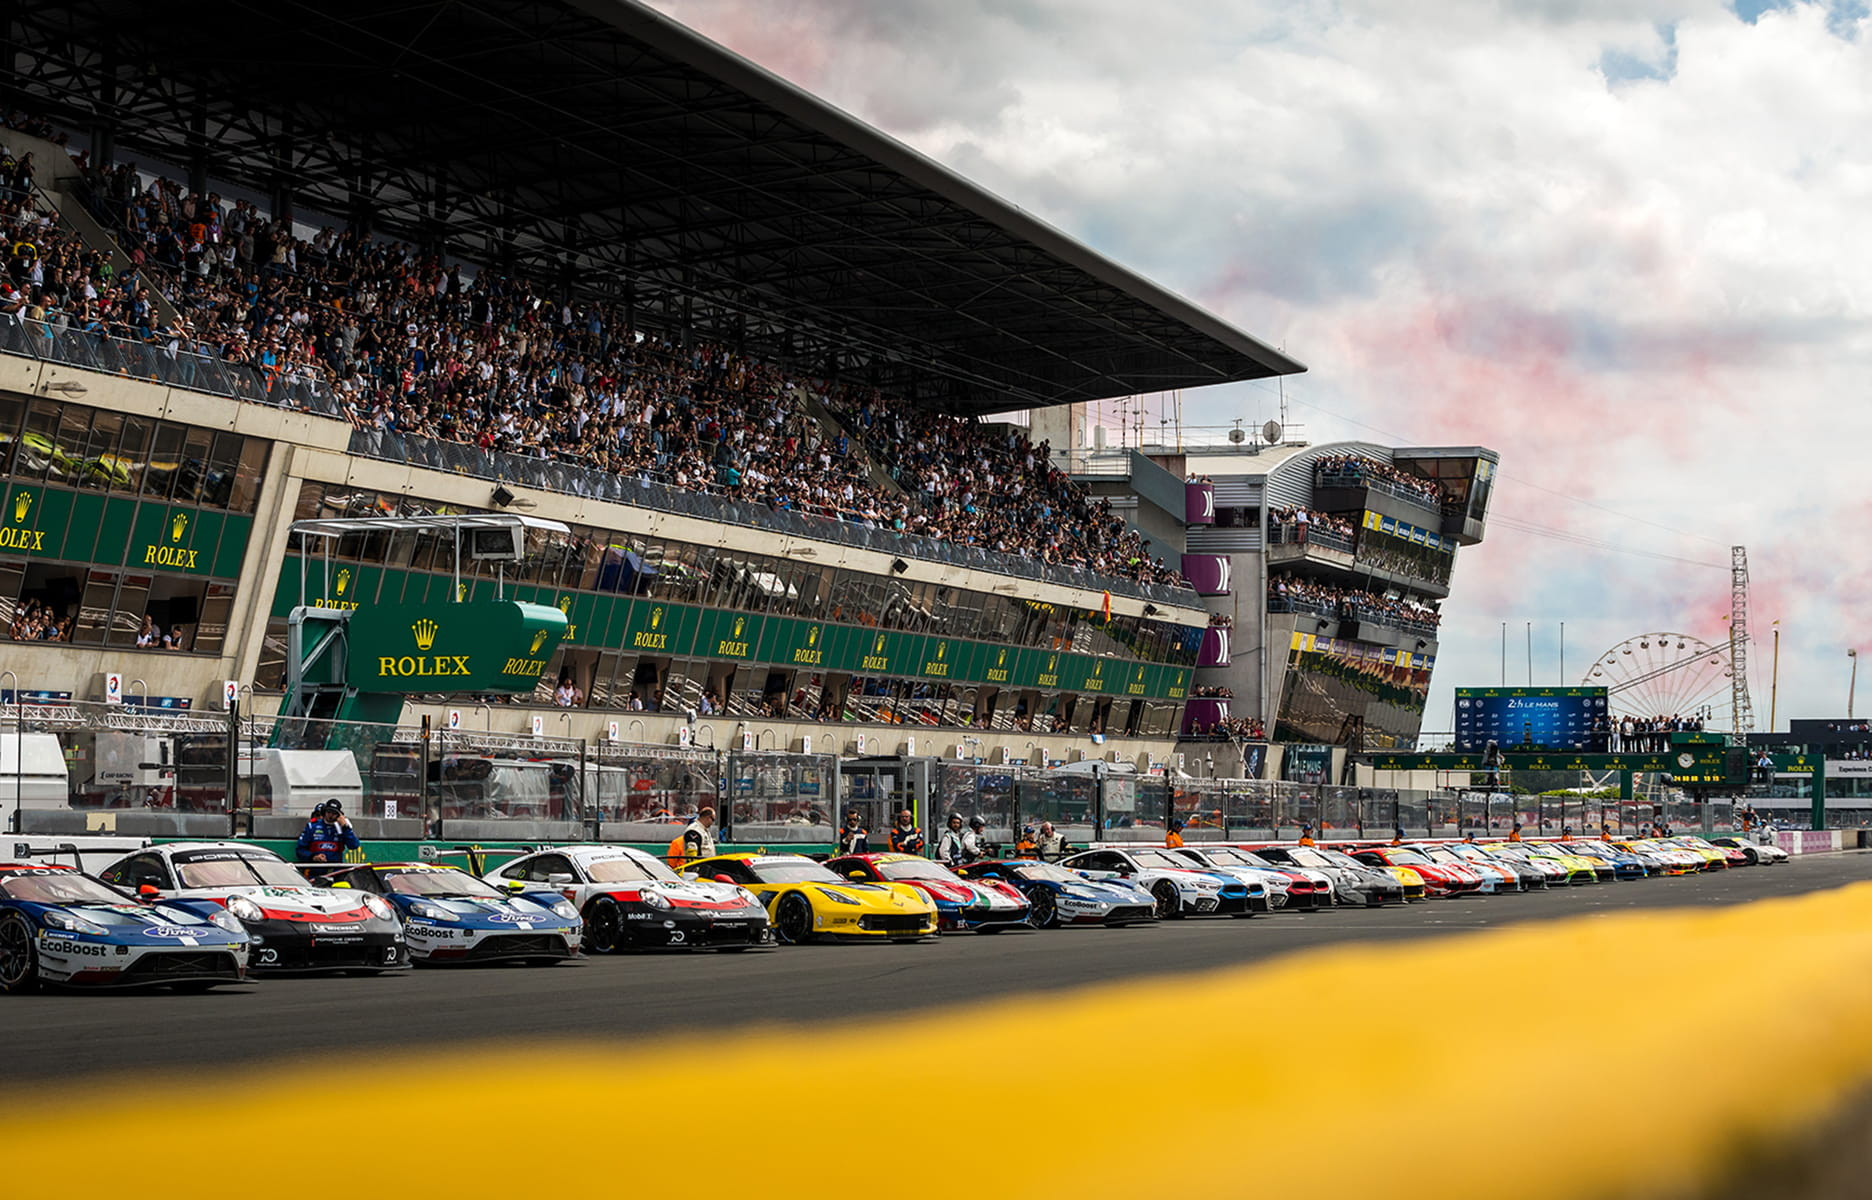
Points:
[63,928]
[1178,886]
[449,916]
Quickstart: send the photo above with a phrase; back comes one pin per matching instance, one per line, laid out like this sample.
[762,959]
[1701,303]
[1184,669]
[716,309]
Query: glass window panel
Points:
[211,629]
[36,457]
[248,475]
[165,463]
[99,465]
[224,461]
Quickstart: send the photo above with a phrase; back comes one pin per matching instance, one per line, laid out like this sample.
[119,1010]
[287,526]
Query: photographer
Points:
[327,835]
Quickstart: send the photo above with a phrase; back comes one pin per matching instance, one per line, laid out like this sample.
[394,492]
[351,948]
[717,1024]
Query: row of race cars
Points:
[192,915]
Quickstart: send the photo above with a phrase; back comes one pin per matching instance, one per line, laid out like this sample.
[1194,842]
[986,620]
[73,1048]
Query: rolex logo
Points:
[539,639]
[22,504]
[1140,674]
[565,605]
[461,592]
[425,631]
[177,524]
[1098,669]
[1001,659]
[812,636]
[879,648]
[942,650]
[656,617]
[1052,661]
[344,580]
[740,623]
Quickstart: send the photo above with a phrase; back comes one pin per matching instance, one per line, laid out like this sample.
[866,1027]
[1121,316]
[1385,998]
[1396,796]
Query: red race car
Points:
[983,904]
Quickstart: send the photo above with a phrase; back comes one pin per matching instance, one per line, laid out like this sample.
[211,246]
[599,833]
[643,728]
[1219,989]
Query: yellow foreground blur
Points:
[1363,1070]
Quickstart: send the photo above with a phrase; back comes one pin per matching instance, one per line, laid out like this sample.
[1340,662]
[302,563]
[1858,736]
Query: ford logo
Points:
[510,918]
[174,931]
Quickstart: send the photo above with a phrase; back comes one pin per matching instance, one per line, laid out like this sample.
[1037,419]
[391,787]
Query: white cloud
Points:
[1477,223]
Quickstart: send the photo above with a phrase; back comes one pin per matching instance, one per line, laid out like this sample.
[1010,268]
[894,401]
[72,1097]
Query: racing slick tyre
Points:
[1044,914]
[793,919]
[19,957]
[604,926]
[1168,905]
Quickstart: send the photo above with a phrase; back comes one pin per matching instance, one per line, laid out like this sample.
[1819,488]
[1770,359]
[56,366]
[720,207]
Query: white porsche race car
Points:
[631,899]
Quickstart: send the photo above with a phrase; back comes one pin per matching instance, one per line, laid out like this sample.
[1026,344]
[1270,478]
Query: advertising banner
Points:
[487,646]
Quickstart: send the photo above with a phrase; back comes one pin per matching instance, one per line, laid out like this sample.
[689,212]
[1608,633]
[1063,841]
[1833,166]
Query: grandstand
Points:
[573,259]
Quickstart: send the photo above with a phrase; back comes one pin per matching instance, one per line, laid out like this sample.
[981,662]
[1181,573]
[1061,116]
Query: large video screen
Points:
[1531,718]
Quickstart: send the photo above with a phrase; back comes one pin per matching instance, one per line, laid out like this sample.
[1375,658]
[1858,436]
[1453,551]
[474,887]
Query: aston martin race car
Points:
[1440,878]
[807,901]
[1497,878]
[1062,897]
[449,916]
[987,905]
[1624,864]
[1179,886]
[629,899]
[61,927]
[293,926]
[1348,881]
[1528,877]
[1561,867]
[1671,860]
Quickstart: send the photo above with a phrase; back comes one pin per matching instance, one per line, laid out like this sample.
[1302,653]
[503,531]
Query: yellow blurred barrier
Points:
[1389,1070]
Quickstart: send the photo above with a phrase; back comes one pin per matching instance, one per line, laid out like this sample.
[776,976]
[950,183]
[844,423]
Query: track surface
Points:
[632,997]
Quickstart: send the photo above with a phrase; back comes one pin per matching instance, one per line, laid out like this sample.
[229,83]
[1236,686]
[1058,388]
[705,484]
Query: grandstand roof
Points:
[609,146]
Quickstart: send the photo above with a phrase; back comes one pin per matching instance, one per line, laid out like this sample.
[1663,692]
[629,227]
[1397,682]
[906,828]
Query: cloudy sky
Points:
[1624,243]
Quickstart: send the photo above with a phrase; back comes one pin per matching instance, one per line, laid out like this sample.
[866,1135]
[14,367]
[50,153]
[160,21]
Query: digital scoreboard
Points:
[1531,718]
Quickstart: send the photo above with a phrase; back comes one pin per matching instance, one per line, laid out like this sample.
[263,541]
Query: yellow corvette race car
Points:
[805,900]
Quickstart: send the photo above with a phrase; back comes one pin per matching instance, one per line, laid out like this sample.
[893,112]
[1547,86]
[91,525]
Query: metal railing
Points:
[1354,478]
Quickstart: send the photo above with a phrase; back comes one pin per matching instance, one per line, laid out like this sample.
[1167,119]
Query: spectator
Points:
[327,835]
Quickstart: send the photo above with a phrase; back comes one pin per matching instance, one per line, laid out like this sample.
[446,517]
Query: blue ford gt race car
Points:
[449,916]
[1062,897]
[61,927]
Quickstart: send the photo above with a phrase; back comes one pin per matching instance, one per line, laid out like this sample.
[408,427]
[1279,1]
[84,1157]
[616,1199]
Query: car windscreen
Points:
[447,881]
[914,869]
[1338,858]
[56,887]
[793,871]
[1306,856]
[626,870]
[228,868]
[1046,872]
[1163,860]
[1408,858]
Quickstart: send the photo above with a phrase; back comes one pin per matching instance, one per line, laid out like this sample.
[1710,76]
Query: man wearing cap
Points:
[327,835]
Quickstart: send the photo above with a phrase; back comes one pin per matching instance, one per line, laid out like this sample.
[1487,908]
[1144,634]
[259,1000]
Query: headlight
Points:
[654,898]
[750,899]
[243,909]
[380,908]
[70,922]
[565,909]
[430,912]
[226,921]
[836,897]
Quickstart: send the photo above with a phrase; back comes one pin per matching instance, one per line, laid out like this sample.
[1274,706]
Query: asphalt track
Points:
[635,997]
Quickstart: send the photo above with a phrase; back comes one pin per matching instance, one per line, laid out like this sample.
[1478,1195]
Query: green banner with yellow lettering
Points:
[479,646]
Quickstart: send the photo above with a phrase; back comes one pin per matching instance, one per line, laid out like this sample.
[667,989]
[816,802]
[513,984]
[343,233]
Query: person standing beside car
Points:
[854,838]
[1173,835]
[327,835]
[694,842]
[950,850]
[1050,846]
[905,837]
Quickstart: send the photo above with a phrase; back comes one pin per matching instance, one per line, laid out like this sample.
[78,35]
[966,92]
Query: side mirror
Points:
[148,893]
[516,886]
[557,877]
[858,875]
[721,878]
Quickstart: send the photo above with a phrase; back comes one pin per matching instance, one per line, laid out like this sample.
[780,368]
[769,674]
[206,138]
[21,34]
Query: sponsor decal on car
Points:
[174,931]
[512,918]
[63,947]
[353,928]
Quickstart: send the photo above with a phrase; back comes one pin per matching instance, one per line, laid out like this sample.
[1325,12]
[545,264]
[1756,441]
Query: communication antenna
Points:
[1741,708]
[1236,434]
[1272,430]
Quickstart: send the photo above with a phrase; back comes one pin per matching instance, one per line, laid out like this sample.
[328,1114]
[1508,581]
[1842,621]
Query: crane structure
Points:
[1742,709]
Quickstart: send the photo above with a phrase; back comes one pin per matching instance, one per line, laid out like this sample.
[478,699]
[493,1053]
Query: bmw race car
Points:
[1178,886]
[984,904]
[293,926]
[1267,887]
[806,900]
[630,899]
[450,916]
[1062,897]
[61,927]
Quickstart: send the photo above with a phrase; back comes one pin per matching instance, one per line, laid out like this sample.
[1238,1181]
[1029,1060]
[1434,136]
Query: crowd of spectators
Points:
[1235,729]
[37,622]
[1294,524]
[1644,735]
[1289,593]
[1213,693]
[413,344]
[1355,469]
[1221,621]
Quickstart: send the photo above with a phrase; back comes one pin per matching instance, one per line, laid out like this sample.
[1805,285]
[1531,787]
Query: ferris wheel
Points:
[1662,674]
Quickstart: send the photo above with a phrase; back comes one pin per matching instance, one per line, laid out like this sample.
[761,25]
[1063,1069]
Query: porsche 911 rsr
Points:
[1061,897]
[631,900]
[986,905]
[808,901]
[1179,887]
[449,916]
[1440,879]
[1767,854]
[63,928]
[1346,880]
[292,925]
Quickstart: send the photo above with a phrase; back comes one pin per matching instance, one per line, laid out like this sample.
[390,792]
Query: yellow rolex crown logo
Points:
[1052,661]
[942,650]
[539,639]
[425,631]
[344,580]
[1001,659]
[176,525]
[879,648]
[1098,669]
[461,592]
[656,617]
[565,605]
[1140,673]
[740,623]
[812,636]
[22,504]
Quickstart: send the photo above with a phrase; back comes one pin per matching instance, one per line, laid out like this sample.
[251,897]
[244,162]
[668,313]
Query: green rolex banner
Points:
[479,646]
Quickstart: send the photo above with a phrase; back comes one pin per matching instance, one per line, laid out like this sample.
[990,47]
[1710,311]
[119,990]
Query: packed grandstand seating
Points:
[1239,729]
[419,346]
[1293,594]
[1356,470]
